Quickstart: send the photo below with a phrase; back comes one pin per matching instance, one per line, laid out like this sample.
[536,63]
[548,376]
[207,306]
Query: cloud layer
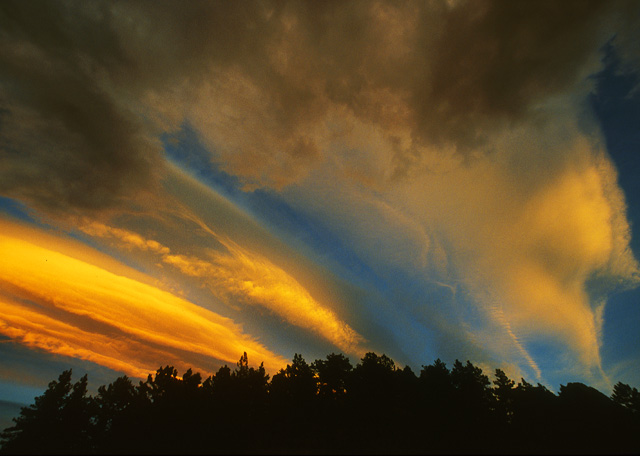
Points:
[239,276]
[64,305]
[446,144]
[86,89]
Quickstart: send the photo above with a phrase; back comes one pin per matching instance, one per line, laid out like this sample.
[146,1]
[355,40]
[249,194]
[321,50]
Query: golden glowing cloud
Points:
[239,275]
[127,237]
[37,330]
[248,277]
[524,233]
[567,234]
[145,315]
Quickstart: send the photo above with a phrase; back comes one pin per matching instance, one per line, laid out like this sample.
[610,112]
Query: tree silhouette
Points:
[436,384]
[472,404]
[576,401]
[58,422]
[371,405]
[333,374]
[436,396]
[627,397]
[535,418]
[247,391]
[119,410]
[503,391]
[627,401]
[296,383]
[327,406]
[406,411]
[293,396]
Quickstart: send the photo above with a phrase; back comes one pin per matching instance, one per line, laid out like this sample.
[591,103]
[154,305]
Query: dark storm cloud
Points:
[456,67]
[493,60]
[66,141]
[77,130]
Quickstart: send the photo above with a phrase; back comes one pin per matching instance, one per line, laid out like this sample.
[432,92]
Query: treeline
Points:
[328,406]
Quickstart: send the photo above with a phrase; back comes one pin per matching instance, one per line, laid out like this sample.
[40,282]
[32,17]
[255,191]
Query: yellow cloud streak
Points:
[550,307]
[570,225]
[530,242]
[565,234]
[252,278]
[569,236]
[145,313]
[36,330]
[129,238]
[240,275]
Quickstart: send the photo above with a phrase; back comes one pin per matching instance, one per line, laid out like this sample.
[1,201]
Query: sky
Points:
[182,182]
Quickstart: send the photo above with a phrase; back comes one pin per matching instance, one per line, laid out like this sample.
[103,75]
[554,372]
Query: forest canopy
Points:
[328,406]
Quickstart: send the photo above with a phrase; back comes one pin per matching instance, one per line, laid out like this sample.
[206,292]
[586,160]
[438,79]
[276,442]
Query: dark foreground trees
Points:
[328,406]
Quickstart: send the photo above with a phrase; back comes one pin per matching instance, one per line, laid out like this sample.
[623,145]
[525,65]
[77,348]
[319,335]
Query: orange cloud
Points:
[129,238]
[37,330]
[534,237]
[566,233]
[243,276]
[146,315]
[251,278]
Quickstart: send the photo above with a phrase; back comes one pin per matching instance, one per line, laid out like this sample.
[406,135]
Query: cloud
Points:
[68,142]
[65,305]
[129,238]
[422,75]
[533,238]
[37,330]
[445,142]
[240,276]
[87,89]
[528,251]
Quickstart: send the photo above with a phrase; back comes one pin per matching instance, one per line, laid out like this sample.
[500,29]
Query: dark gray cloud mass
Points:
[494,60]
[76,131]
[66,141]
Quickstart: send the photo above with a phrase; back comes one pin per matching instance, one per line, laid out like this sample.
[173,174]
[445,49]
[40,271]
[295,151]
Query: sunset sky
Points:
[181,182]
